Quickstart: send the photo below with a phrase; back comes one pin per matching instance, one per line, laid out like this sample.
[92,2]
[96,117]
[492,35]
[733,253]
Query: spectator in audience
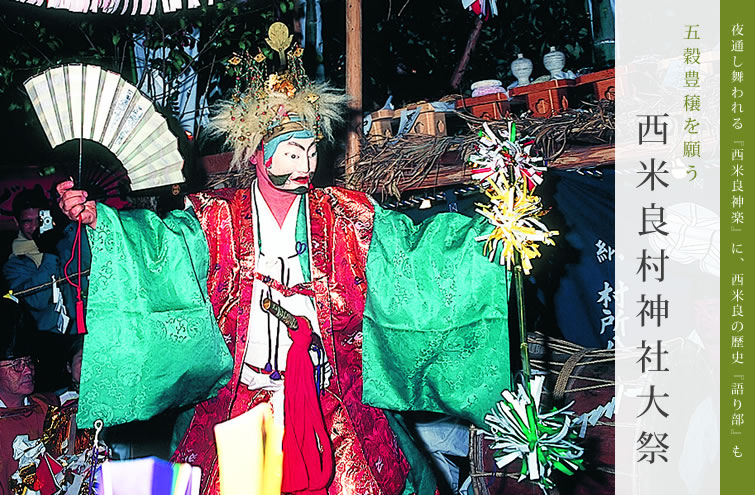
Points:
[70,392]
[22,412]
[34,260]
[28,267]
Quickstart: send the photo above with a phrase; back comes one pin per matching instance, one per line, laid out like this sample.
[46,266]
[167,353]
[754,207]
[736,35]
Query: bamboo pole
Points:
[353,81]
[519,287]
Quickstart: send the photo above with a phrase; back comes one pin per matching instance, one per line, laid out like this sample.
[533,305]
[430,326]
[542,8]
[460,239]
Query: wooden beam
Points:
[585,156]
[353,81]
[451,170]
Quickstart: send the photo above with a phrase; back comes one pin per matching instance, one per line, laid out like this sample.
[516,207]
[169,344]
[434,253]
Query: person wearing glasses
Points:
[22,412]
[16,382]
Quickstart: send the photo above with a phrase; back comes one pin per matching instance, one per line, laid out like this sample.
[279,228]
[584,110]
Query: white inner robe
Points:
[277,257]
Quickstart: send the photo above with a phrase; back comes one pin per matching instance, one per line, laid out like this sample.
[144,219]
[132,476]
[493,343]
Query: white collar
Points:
[27,402]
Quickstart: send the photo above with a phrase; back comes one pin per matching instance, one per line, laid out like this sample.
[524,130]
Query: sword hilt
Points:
[279,312]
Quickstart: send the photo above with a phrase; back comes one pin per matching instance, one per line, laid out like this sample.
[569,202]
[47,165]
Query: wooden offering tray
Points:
[547,98]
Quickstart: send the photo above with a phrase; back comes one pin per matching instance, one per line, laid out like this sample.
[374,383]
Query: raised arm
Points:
[74,204]
[435,318]
[153,342]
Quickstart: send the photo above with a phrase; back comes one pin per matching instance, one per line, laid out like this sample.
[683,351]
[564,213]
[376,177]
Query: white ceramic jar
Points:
[521,68]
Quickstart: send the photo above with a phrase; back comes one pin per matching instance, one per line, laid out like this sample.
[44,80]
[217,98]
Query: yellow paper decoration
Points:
[513,210]
[250,453]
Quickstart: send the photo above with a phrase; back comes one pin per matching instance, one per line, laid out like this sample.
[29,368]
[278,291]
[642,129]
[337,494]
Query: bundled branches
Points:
[592,124]
[404,162]
[401,162]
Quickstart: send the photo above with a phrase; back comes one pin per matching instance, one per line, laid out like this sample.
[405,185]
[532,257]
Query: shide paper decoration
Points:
[497,154]
[483,8]
[544,441]
[513,211]
[509,172]
[123,7]
[147,476]
[61,461]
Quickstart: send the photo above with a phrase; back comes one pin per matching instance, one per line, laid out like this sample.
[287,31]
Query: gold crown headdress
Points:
[265,105]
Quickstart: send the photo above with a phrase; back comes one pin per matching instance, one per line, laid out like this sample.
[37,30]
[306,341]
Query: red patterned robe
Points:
[367,457]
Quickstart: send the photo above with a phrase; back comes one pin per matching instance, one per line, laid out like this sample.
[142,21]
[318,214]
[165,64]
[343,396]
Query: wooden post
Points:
[471,43]
[353,81]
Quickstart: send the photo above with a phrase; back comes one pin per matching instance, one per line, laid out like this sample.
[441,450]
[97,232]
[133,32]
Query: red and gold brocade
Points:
[367,457]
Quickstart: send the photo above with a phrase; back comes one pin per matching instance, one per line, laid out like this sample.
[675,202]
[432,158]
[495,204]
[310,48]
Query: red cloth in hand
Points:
[307,452]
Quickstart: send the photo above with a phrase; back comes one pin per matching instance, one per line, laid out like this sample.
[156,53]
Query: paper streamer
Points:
[543,441]
[250,455]
[591,418]
[514,212]
[123,7]
[497,153]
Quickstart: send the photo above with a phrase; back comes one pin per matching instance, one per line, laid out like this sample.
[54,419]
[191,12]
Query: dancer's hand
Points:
[73,203]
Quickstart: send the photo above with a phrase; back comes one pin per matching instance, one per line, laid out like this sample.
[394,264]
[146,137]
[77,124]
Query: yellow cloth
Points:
[27,247]
[250,455]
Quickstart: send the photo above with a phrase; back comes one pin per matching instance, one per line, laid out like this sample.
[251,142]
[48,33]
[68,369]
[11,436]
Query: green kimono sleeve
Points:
[153,342]
[435,320]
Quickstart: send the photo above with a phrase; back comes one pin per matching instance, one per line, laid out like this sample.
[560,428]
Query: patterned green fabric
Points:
[435,320]
[145,265]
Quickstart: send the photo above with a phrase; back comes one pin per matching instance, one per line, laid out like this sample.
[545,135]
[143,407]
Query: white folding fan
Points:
[87,102]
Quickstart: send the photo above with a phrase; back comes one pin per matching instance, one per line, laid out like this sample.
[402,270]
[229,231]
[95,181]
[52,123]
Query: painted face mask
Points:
[291,161]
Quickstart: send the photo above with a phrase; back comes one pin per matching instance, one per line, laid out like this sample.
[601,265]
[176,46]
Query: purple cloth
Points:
[488,90]
[148,476]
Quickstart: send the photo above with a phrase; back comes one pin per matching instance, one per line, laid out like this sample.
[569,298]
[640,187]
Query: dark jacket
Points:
[22,273]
